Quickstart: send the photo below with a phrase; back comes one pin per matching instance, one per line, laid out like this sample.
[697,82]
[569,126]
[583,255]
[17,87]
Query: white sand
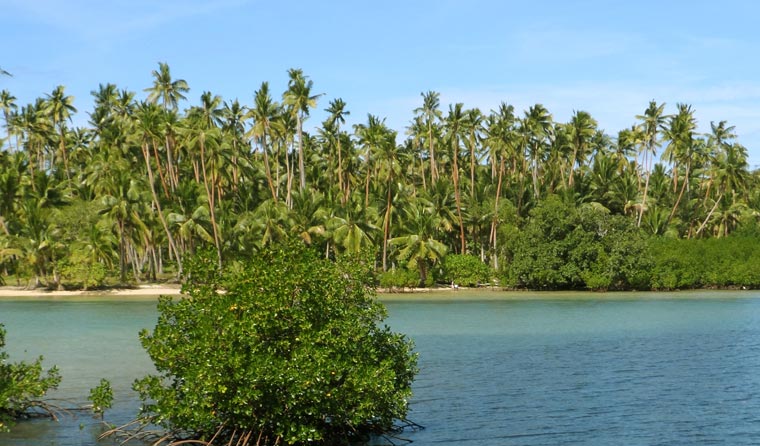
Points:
[142,290]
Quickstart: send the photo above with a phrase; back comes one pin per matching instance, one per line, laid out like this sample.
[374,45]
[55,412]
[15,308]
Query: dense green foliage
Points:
[563,247]
[733,262]
[146,183]
[464,270]
[21,386]
[399,279]
[283,346]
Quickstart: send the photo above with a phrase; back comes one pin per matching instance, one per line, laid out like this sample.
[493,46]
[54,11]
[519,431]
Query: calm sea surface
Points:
[556,369]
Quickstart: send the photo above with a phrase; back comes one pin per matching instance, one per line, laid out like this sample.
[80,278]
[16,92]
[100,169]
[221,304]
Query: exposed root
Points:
[393,437]
[139,430]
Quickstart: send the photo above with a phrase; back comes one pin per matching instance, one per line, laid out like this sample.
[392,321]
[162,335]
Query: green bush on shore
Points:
[464,270]
[399,278]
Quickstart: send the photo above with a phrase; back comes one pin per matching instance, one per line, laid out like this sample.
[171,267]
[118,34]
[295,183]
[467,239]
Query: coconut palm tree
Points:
[147,125]
[682,147]
[535,128]
[383,162]
[653,122]
[430,113]
[59,107]
[35,133]
[308,216]
[165,90]
[502,142]
[352,227]
[417,245]
[233,127]
[264,112]
[122,205]
[473,128]
[299,99]
[454,125]
[270,222]
[204,137]
[338,113]
[8,106]
[582,129]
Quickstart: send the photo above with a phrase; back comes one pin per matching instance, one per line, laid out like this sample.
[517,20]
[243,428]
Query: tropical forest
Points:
[460,197]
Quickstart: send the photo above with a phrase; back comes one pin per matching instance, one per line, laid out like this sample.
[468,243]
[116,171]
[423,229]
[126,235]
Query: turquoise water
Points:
[641,369]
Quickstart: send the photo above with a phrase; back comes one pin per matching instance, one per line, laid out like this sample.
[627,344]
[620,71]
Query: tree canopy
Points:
[158,175]
[282,347]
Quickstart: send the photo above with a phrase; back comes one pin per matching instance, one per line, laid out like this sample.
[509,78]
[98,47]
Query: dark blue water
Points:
[586,370]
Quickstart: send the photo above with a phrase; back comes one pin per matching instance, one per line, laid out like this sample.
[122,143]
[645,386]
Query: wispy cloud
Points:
[549,42]
[99,20]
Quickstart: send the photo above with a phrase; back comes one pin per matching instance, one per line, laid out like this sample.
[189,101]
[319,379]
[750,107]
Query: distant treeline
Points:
[463,195]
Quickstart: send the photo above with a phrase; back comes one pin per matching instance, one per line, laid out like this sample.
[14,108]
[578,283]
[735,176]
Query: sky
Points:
[609,58]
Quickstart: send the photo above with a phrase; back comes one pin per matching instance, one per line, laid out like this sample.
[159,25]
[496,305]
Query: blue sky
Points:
[609,58]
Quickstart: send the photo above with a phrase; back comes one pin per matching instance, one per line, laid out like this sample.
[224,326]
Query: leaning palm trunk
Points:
[647,164]
[709,214]
[684,185]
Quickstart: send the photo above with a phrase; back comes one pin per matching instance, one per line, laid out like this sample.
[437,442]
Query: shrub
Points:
[465,270]
[399,278]
[564,247]
[285,347]
[80,271]
[21,387]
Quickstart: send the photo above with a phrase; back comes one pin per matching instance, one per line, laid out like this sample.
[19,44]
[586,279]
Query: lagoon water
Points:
[600,369]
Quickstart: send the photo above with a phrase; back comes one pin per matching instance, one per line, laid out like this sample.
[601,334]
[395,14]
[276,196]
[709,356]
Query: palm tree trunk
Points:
[495,220]
[571,169]
[387,224]
[458,199]
[289,186]
[340,167]
[433,166]
[172,245]
[160,171]
[644,198]
[709,214]
[63,153]
[170,162]
[122,253]
[267,169]
[684,185]
[301,168]
[472,169]
[210,196]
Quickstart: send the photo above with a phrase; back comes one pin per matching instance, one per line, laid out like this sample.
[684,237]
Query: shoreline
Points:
[150,291]
[174,290]
[140,290]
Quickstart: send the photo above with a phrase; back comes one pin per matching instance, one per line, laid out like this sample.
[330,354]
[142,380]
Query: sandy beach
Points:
[141,290]
[173,290]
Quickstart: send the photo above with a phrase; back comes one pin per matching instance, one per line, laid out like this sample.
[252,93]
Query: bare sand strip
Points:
[174,290]
[142,290]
